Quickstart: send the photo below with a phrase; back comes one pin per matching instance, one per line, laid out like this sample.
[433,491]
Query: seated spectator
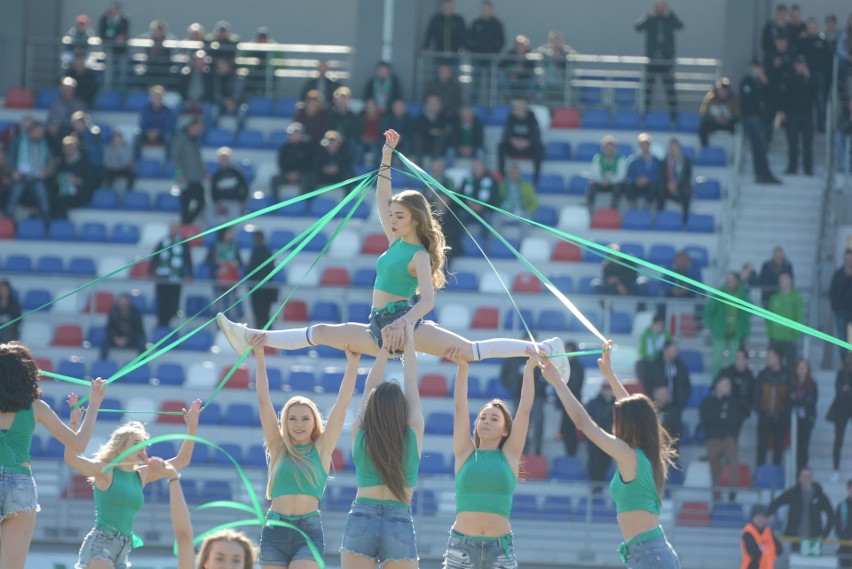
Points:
[770,273]
[467,136]
[194,85]
[806,503]
[10,309]
[87,83]
[521,138]
[190,171]
[295,161]
[517,69]
[433,127]
[719,111]
[517,196]
[322,83]
[225,90]
[223,258]
[228,189]
[600,410]
[158,57]
[124,329]
[333,163]
[683,265]
[447,87]
[383,87]
[617,279]
[370,138]
[720,415]
[5,181]
[554,61]
[651,344]
[669,383]
[118,162]
[609,171]
[66,104]
[644,174]
[157,123]
[399,120]
[344,121]
[312,115]
[480,185]
[77,38]
[263,297]
[773,408]
[729,326]
[760,547]
[31,165]
[786,302]
[742,383]
[76,179]
[677,179]
[222,43]
[91,144]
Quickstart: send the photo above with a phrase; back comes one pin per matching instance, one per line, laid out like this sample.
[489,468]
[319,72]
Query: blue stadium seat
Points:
[257,204]
[198,342]
[727,515]
[103,369]
[658,121]
[564,283]
[212,415]
[460,280]
[511,321]
[551,184]
[525,507]
[495,390]
[256,457]
[701,223]
[591,96]
[104,198]
[432,463]
[687,122]
[364,277]
[170,374]
[557,508]
[330,380]
[469,247]
[50,265]
[287,106]
[698,393]
[712,156]
[586,151]
[217,137]
[636,220]
[53,449]
[31,230]
[358,312]
[135,101]
[167,202]
[424,502]
[634,249]
[574,325]
[62,230]
[111,403]
[260,106]
[546,215]
[497,250]
[690,153]
[342,499]
[298,209]
[325,312]
[699,255]
[198,303]
[321,206]
[81,266]
[248,138]
[302,380]
[708,189]
[595,118]
[276,139]
[626,120]
[280,238]
[140,375]
[551,320]
[93,232]
[439,423]
[110,101]
[586,286]
[769,477]
[126,233]
[45,97]
[137,201]
[669,221]
[676,475]
[557,151]
[139,300]
[235,450]
[96,335]
[620,323]
[241,415]
[694,361]
[36,297]
[699,436]
[317,243]
[662,255]
[216,490]
[148,168]
[498,117]
[624,97]
[72,368]
[578,184]
[567,468]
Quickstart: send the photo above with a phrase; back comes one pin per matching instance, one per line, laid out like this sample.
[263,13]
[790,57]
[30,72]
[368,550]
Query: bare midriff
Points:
[294,504]
[636,522]
[482,524]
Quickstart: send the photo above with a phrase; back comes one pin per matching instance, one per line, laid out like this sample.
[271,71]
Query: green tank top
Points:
[291,481]
[15,442]
[392,274]
[365,471]
[638,494]
[485,483]
[116,507]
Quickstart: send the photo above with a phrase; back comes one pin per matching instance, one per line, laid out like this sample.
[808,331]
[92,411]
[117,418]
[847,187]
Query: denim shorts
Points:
[100,544]
[655,553]
[468,552]
[280,545]
[17,493]
[381,531]
[381,317]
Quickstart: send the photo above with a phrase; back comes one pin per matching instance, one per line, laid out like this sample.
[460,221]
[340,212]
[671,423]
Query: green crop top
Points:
[485,483]
[392,274]
[365,470]
[15,442]
[290,481]
[116,507]
[638,494]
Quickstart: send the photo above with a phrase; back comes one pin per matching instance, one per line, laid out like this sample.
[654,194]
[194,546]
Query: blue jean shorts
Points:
[111,546]
[470,552]
[381,317]
[380,531]
[280,545]
[655,553]
[17,493]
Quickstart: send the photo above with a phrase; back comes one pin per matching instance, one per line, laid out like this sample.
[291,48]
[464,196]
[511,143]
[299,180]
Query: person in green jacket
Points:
[787,302]
[517,196]
[729,326]
[651,343]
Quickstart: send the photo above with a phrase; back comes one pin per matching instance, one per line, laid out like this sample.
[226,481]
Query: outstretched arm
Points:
[181,524]
[337,415]
[76,439]
[462,442]
[184,455]
[605,365]
[412,390]
[383,184]
[514,445]
[268,419]
[374,378]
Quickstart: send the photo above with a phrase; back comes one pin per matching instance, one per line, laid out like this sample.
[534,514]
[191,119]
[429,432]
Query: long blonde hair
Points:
[237,537]
[429,232]
[118,440]
[306,471]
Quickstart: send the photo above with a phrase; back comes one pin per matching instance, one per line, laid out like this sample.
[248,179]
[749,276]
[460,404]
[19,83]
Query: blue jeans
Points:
[655,553]
[39,190]
[380,531]
[381,317]
[100,544]
[280,546]
[469,552]
[17,493]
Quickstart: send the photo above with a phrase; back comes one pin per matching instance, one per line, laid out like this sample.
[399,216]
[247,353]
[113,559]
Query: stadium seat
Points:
[167,202]
[326,312]
[462,280]
[148,168]
[19,98]
[217,137]
[171,406]
[626,120]
[171,374]
[200,341]
[662,255]
[563,283]
[633,249]
[287,106]
[335,276]
[499,115]
[557,151]
[606,218]
[620,323]
[586,151]
[276,139]
[454,316]
[72,368]
[536,249]
[255,456]
[511,321]
[140,375]
[525,506]
[485,317]
[125,233]
[7,228]
[668,221]
[566,468]
[241,415]
[31,230]
[552,184]
[239,380]
[708,189]
[658,121]
[295,311]
[687,122]
[433,385]
[637,220]
[586,286]
[260,106]
[35,298]
[49,265]
[96,335]
[625,97]
[694,514]
[248,138]
[712,156]
[137,201]
[338,460]
[364,277]
[744,475]
[100,302]
[198,304]
[769,477]
[701,223]
[135,101]
[110,403]
[439,423]
[432,464]
[297,209]
[216,490]
[109,101]
[93,232]
[212,415]
[557,508]
[534,467]
[727,515]
[694,361]
[374,244]
[67,335]
[565,118]
[62,230]
[496,249]
[551,320]
[546,215]
[568,252]
[526,282]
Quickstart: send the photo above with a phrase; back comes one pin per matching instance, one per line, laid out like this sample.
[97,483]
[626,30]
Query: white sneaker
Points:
[557,346]
[235,333]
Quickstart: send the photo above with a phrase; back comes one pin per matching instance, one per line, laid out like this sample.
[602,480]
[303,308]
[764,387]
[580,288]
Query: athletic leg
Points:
[349,560]
[400,564]
[301,564]
[16,533]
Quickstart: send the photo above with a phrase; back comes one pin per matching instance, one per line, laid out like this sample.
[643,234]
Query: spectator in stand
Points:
[229,189]
[618,279]
[659,27]
[322,83]
[76,179]
[803,402]
[760,548]
[66,104]
[600,410]
[796,27]
[332,162]
[445,33]
[223,258]
[676,179]
[832,32]
[447,87]
[262,298]
[171,266]
[194,86]
[124,329]
[156,123]
[87,83]
[844,59]
[683,265]
[719,111]
[225,93]
[843,137]
[668,372]
[369,138]
[567,429]
[840,294]
[779,75]
[295,161]
[554,62]
[399,120]
[91,143]
[195,32]
[5,180]
[843,527]
[754,108]
[644,171]
[608,174]
[433,128]
[787,302]
[773,411]
[485,39]
[261,57]
[467,136]
[774,29]
[158,62]
[31,165]
[383,87]
[511,376]
[742,383]
[114,31]
[517,195]
[720,414]
[118,162]
[313,115]
[482,186]
[517,70]
[815,48]
[729,326]
[77,38]
[770,273]
[806,503]
[344,121]
[190,171]
[798,114]
[10,309]
[222,43]
[651,343]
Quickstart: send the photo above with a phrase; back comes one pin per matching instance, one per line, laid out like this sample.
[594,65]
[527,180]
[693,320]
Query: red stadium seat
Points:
[335,276]
[188,230]
[433,385]
[338,461]
[44,364]
[565,118]
[140,270]
[486,317]
[295,311]
[374,244]
[634,387]
[7,228]
[694,514]
[78,488]
[100,303]
[526,282]
[19,98]
[534,467]
[69,335]
[171,405]
[685,325]
[745,476]
[568,252]
[240,379]
[606,218]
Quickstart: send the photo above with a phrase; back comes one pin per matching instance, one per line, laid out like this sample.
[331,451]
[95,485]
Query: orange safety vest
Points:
[765,542]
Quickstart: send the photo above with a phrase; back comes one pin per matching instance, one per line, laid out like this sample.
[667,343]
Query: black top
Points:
[445,33]
[229,184]
[841,291]
[721,417]
[486,36]
[659,34]
[752,97]
[526,127]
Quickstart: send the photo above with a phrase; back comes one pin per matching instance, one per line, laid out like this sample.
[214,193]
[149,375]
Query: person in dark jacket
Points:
[467,135]
[840,411]
[753,109]
[399,120]
[76,179]
[773,408]
[779,73]
[770,273]
[840,293]
[567,428]
[676,178]
[759,546]
[521,138]
[321,83]
[806,503]
[446,86]
[225,264]
[87,83]
[171,266]
[773,29]
[803,403]
[295,161]
[814,46]
[843,527]
[485,39]
[228,189]
[332,162]
[313,115]
[659,26]
[445,32]
[600,410]
[383,87]
[432,129]
[224,94]
[798,112]
[721,416]
[156,122]
[190,171]
[670,372]
[263,298]
[742,383]
[482,186]
[124,328]
[10,309]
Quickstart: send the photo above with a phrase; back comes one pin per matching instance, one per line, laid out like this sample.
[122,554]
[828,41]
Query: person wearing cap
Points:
[76,39]
[66,104]
[753,105]
[797,112]
[295,161]
[609,171]
[222,43]
[760,548]
[719,111]
[332,161]
[643,173]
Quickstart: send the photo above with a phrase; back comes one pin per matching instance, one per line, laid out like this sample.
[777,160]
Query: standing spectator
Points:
[787,302]
[554,62]
[773,411]
[344,121]
[91,143]
[194,84]
[156,123]
[600,410]
[651,343]
[262,298]
[521,138]
[840,293]
[798,114]
[511,376]
[170,266]
[517,69]
[66,104]
[118,162]
[222,43]
[567,429]
[796,27]
[721,416]
[609,171]
[760,548]
[803,403]
[815,47]
[729,326]
[844,59]
[30,161]
[617,278]
[683,265]
[445,32]
[313,115]
[644,174]
[332,162]
[432,130]
[383,87]
[228,189]
[831,32]
[774,29]
[114,30]
[742,383]
[223,258]
[370,133]
[482,186]
[753,101]
[77,38]
[485,39]
[225,93]
[779,75]
[124,329]
[189,169]
[668,371]
[295,161]
[806,503]
[677,179]
[840,411]
[10,309]
[447,87]
[399,120]
[719,111]
[770,273]
[87,83]
[158,57]
[321,83]
[843,527]
[467,136]
[76,179]
[659,27]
